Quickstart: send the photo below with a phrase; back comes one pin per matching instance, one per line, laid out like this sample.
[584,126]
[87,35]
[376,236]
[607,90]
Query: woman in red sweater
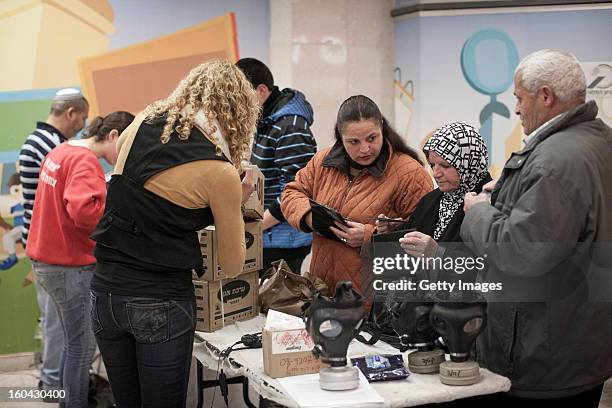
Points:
[69,203]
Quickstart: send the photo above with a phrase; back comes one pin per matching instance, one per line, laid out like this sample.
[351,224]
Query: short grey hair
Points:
[557,69]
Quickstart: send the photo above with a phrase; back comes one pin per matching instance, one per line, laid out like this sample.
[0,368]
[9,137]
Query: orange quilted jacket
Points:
[392,185]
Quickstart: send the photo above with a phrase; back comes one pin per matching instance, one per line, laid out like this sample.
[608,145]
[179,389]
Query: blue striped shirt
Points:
[36,147]
[281,153]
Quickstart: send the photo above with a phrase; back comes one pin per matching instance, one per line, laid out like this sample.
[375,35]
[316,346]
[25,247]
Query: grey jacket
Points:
[548,238]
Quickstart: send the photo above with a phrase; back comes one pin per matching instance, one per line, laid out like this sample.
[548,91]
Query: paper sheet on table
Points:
[305,390]
[277,321]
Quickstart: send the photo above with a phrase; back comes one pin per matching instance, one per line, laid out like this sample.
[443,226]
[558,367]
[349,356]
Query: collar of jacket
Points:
[271,104]
[581,113]
[339,159]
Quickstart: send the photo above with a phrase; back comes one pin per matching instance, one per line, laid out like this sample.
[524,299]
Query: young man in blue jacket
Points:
[283,145]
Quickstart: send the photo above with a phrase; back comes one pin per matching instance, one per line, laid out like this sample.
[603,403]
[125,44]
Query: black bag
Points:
[379,327]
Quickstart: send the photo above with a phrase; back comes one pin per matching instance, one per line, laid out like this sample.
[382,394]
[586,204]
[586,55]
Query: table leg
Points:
[245,393]
[199,383]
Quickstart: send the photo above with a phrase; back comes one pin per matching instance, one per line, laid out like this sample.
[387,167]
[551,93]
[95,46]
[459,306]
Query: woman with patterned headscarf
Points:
[458,158]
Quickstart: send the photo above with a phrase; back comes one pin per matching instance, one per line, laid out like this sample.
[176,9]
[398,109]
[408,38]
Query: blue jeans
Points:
[146,345]
[52,338]
[68,287]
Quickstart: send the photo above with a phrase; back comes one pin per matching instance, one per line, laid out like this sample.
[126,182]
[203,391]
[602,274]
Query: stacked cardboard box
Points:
[219,300]
[253,208]
[218,306]
[209,244]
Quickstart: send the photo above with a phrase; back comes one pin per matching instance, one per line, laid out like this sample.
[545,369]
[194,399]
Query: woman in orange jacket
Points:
[369,171]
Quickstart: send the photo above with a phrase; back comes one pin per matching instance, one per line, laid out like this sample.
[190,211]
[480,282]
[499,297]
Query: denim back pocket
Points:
[95,319]
[149,321]
[52,281]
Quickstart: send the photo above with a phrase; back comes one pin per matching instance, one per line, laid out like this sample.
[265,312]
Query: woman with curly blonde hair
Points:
[201,97]
[177,172]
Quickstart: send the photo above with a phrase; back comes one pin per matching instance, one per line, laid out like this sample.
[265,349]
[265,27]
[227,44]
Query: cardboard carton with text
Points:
[253,208]
[287,347]
[236,301]
[209,243]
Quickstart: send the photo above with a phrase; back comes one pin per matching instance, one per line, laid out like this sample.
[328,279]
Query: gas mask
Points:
[411,322]
[332,324]
[412,325]
[459,324]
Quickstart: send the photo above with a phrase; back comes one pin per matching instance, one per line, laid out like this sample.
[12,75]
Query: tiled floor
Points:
[22,378]
[29,378]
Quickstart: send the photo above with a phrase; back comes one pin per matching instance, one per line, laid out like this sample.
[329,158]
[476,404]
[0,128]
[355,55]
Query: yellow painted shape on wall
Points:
[68,40]
[514,141]
[422,154]
[18,46]
[605,109]
[103,9]
[404,108]
[43,39]
[495,171]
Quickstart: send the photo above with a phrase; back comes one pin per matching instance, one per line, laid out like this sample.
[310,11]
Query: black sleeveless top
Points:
[145,244]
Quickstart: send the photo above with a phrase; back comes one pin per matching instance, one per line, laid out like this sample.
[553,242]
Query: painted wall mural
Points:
[132,77]
[488,60]
[404,102]
[95,45]
[599,86]
[463,67]
[123,55]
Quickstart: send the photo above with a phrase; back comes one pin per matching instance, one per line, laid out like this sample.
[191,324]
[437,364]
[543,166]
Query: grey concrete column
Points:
[330,50]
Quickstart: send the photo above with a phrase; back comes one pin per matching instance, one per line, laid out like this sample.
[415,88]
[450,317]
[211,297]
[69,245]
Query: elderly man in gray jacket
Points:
[546,229]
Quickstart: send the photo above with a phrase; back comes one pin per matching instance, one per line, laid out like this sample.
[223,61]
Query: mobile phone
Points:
[393,236]
[386,219]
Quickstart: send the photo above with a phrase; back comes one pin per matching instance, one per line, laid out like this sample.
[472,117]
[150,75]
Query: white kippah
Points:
[67,94]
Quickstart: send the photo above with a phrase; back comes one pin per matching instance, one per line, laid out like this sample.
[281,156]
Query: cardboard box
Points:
[287,352]
[253,208]
[239,301]
[209,244]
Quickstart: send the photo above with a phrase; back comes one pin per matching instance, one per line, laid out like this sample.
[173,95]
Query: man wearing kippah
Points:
[66,118]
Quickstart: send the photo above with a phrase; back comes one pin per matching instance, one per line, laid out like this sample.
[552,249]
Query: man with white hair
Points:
[67,116]
[546,230]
